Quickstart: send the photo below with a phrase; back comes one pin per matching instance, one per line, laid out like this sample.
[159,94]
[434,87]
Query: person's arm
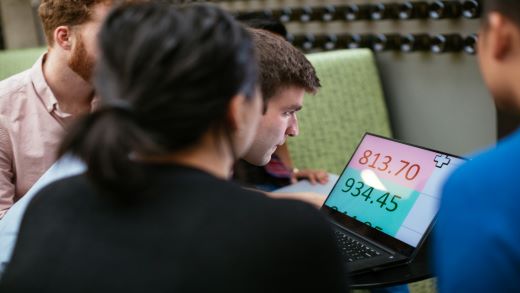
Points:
[314,176]
[7,187]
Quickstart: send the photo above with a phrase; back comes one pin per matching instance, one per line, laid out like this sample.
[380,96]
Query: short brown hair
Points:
[54,13]
[282,65]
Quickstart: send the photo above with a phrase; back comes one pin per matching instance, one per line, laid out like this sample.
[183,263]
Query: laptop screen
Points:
[392,187]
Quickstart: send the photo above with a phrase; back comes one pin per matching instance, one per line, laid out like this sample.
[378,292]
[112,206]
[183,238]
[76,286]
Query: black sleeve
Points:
[303,250]
[329,273]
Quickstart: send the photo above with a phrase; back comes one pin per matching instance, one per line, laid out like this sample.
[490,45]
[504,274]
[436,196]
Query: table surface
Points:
[419,269]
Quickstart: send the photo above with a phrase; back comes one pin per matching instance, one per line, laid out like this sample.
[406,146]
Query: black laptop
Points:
[385,201]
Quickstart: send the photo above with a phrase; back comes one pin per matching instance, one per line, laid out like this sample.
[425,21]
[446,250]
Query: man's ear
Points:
[236,111]
[63,37]
[500,34]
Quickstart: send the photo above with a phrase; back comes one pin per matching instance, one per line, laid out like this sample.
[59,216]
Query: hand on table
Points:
[314,176]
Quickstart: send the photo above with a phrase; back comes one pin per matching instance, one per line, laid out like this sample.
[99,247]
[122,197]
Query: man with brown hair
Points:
[285,76]
[37,104]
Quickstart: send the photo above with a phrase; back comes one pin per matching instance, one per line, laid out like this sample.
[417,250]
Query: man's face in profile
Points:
[276,124]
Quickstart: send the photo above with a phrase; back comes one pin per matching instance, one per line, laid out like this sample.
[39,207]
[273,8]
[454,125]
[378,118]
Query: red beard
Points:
[80,62]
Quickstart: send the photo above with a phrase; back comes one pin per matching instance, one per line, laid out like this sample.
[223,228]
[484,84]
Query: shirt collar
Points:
[44,91]
[40,85]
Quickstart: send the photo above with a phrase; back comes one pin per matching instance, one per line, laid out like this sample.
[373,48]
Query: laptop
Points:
[385,201]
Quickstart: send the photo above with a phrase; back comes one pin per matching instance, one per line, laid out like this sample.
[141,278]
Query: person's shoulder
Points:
[55,205]
[61,193]
[504,157]
[14,84]
[495,165]
[63,186]
[13,94]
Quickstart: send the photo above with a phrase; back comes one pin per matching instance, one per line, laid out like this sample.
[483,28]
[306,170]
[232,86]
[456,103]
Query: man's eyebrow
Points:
[293,108]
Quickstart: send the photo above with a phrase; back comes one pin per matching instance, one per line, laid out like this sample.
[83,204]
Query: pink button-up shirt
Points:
[31,128]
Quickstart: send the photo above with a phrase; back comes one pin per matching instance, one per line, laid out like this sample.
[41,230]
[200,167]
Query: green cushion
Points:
[15,61]
[349,103]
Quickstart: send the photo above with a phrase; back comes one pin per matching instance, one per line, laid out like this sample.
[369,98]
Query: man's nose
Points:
[292,129]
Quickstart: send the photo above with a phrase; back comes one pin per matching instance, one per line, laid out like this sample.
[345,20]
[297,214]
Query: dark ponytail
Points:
[105,140]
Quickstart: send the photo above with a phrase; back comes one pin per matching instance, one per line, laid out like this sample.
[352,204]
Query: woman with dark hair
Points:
[155,212]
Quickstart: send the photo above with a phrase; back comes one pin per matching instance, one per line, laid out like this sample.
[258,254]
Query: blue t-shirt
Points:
[477,235]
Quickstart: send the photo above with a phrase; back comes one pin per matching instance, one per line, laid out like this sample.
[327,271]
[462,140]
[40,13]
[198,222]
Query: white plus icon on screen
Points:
[441,160]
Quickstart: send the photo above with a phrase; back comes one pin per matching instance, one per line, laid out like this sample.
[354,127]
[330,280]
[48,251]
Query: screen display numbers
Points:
[406,169]
[360,190]
[392,186]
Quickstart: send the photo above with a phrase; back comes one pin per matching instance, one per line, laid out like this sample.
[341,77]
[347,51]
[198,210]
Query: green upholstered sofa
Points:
[349,103]
[15,61]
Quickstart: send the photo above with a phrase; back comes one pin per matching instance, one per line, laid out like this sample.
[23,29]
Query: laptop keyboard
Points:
[352,249]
